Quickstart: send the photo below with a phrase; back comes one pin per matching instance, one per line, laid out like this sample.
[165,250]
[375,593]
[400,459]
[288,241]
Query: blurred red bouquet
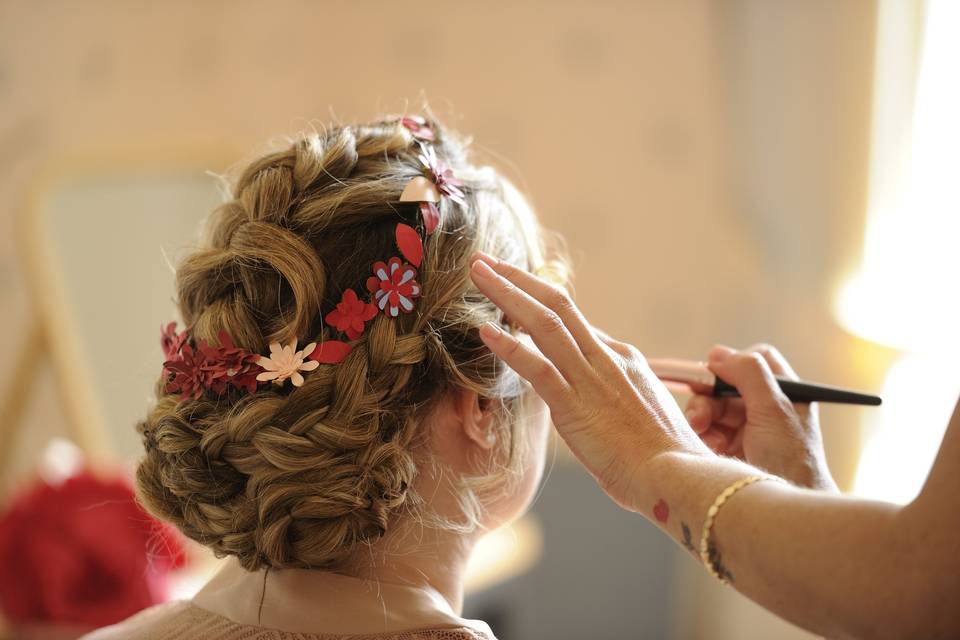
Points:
[82,553]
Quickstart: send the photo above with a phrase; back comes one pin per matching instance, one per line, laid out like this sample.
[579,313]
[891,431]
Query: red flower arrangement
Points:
[207,366]
[82,553]
[191,371]
[393,287]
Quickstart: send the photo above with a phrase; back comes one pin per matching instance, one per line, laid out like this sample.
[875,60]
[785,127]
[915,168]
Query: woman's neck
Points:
[422,558]
[412,579]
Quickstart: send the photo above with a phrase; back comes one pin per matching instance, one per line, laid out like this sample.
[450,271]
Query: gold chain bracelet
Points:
[707,553]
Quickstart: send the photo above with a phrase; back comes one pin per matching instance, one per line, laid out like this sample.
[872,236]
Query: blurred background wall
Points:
[706,161]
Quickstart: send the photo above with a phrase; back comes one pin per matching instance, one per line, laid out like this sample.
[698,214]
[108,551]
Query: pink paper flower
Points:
[442,174]
[286,362]
[351,314]
[418,127]
[393,286]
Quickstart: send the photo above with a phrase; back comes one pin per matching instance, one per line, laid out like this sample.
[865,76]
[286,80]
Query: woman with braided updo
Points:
[346,479]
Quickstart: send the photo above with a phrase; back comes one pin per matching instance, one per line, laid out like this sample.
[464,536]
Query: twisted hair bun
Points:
[298,476]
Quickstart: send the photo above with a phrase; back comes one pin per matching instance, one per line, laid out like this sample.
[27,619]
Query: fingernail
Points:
[689,414]
[490,330]
[719,353]
[482,269]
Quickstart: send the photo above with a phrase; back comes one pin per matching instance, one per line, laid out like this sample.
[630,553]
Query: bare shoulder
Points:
[169,619]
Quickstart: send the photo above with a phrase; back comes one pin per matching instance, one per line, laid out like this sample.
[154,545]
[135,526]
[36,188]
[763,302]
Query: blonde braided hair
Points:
[297,477]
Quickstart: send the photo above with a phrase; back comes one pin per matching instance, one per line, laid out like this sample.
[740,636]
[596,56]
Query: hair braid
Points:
[297,477]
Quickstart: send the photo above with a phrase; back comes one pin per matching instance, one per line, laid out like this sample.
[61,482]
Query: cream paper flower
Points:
[286,362]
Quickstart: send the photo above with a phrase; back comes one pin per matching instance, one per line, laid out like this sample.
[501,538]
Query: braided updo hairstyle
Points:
[299,476]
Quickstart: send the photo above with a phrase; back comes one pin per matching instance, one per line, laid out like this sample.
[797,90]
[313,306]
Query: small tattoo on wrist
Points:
[661,511]
[717,561]
[687,540]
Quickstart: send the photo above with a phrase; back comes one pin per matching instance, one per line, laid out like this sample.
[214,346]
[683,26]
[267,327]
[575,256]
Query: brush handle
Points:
[806,392]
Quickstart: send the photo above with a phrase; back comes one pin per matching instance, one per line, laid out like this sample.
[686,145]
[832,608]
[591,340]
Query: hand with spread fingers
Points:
[605,402]
[761,427]
[839,566]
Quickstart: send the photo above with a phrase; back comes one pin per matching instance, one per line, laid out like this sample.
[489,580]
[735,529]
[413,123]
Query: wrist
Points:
[675,491]
[810,471]
[690,479]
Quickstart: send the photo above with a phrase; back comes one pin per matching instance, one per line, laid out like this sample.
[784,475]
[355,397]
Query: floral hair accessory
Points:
[393,287]
[286,362]
[170,340]
[447,183]
[190,370]
[351,314]
[421,190]
[418,127]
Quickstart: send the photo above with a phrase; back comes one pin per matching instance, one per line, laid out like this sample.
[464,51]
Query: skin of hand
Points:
[839,566]
[605,402]
[761,427]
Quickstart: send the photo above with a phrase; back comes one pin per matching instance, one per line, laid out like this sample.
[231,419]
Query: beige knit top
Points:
[295,604]
[182,619]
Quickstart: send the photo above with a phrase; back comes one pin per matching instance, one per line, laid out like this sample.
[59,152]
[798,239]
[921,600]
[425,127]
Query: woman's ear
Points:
[476,419]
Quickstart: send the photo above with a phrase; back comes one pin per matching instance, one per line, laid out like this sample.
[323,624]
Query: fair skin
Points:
[836,565]
[413,576]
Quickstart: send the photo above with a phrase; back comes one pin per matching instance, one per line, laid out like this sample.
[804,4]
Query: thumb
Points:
[750,373]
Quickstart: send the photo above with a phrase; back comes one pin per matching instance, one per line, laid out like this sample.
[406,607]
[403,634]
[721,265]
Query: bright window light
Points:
[907,292]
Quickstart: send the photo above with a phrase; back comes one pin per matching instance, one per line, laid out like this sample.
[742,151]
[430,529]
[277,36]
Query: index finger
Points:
[542,324]
[778,364]
[551,296]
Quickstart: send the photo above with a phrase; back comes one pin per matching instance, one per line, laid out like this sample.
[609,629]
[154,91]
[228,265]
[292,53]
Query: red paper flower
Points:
[443,177]
[171,341]
[82,553]
[189,376]
[191,371]
[418,127]
[393,286]
[239,365]
[351,314]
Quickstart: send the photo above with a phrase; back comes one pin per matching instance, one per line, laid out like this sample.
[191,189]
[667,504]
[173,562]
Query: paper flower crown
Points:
[392,289]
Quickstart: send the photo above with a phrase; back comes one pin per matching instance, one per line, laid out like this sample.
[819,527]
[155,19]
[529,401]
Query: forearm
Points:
[831,564]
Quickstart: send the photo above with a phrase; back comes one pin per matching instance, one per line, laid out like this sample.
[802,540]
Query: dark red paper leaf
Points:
[431,216]
[409,243]
[330,352]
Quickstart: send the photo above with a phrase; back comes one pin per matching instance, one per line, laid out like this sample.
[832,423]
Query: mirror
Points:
[100,247]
